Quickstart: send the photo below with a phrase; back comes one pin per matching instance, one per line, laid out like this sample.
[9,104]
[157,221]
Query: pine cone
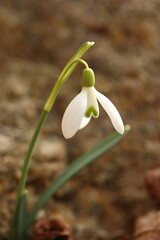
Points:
[51,229]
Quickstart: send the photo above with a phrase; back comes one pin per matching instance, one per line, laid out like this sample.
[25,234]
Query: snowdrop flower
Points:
[85,105]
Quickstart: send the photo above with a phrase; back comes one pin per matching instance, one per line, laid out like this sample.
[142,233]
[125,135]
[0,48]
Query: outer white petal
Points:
[74,114]
[84,122]
[111,111]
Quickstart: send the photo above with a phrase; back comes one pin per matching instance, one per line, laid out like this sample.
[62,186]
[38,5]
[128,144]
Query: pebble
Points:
[5,144]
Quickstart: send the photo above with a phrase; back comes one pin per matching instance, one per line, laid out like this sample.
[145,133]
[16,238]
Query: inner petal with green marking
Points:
[91,111]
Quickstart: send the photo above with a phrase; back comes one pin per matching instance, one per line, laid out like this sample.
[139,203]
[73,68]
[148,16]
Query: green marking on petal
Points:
[91,110]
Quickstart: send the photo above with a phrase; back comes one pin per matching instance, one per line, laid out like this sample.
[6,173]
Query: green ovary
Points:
[91,111]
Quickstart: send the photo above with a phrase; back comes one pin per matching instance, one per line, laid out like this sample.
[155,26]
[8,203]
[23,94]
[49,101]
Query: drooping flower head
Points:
[85,105]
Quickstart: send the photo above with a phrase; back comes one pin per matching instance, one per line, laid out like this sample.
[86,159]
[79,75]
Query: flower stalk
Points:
[22,181]
[66,72]
[61,80]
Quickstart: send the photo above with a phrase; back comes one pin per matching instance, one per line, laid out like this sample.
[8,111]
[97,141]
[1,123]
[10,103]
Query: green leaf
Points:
[21,217]
[80,163]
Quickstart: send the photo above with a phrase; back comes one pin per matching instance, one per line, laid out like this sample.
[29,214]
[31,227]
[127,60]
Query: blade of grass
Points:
[80,163]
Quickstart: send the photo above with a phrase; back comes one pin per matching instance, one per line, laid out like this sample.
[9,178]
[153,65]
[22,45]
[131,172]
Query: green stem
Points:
[30,152]
[25,169]
[66,72]
[76,56]
[61,80]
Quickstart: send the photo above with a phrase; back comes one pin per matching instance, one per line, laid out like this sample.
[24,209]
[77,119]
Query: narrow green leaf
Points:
[22,215]
[74,168]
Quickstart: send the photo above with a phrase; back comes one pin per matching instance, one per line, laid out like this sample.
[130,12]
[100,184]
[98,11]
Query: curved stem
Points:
[66,72]
[30,151]
[61,80]
[83,62]
[22,181]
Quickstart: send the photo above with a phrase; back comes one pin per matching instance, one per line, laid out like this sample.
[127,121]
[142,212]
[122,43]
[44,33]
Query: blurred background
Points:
[37,38]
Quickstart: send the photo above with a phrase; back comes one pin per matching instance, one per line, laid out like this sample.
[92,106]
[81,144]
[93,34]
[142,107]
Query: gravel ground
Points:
[37,38]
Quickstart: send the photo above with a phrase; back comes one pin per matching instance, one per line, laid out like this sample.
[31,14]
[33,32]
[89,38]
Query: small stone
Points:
[148,227]
[5,143]
[51,148]
[50,160]
[15,88]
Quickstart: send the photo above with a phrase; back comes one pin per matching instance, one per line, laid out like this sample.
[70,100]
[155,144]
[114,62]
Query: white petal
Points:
[92,100]
[111,111]
[74,113]
[84,122]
